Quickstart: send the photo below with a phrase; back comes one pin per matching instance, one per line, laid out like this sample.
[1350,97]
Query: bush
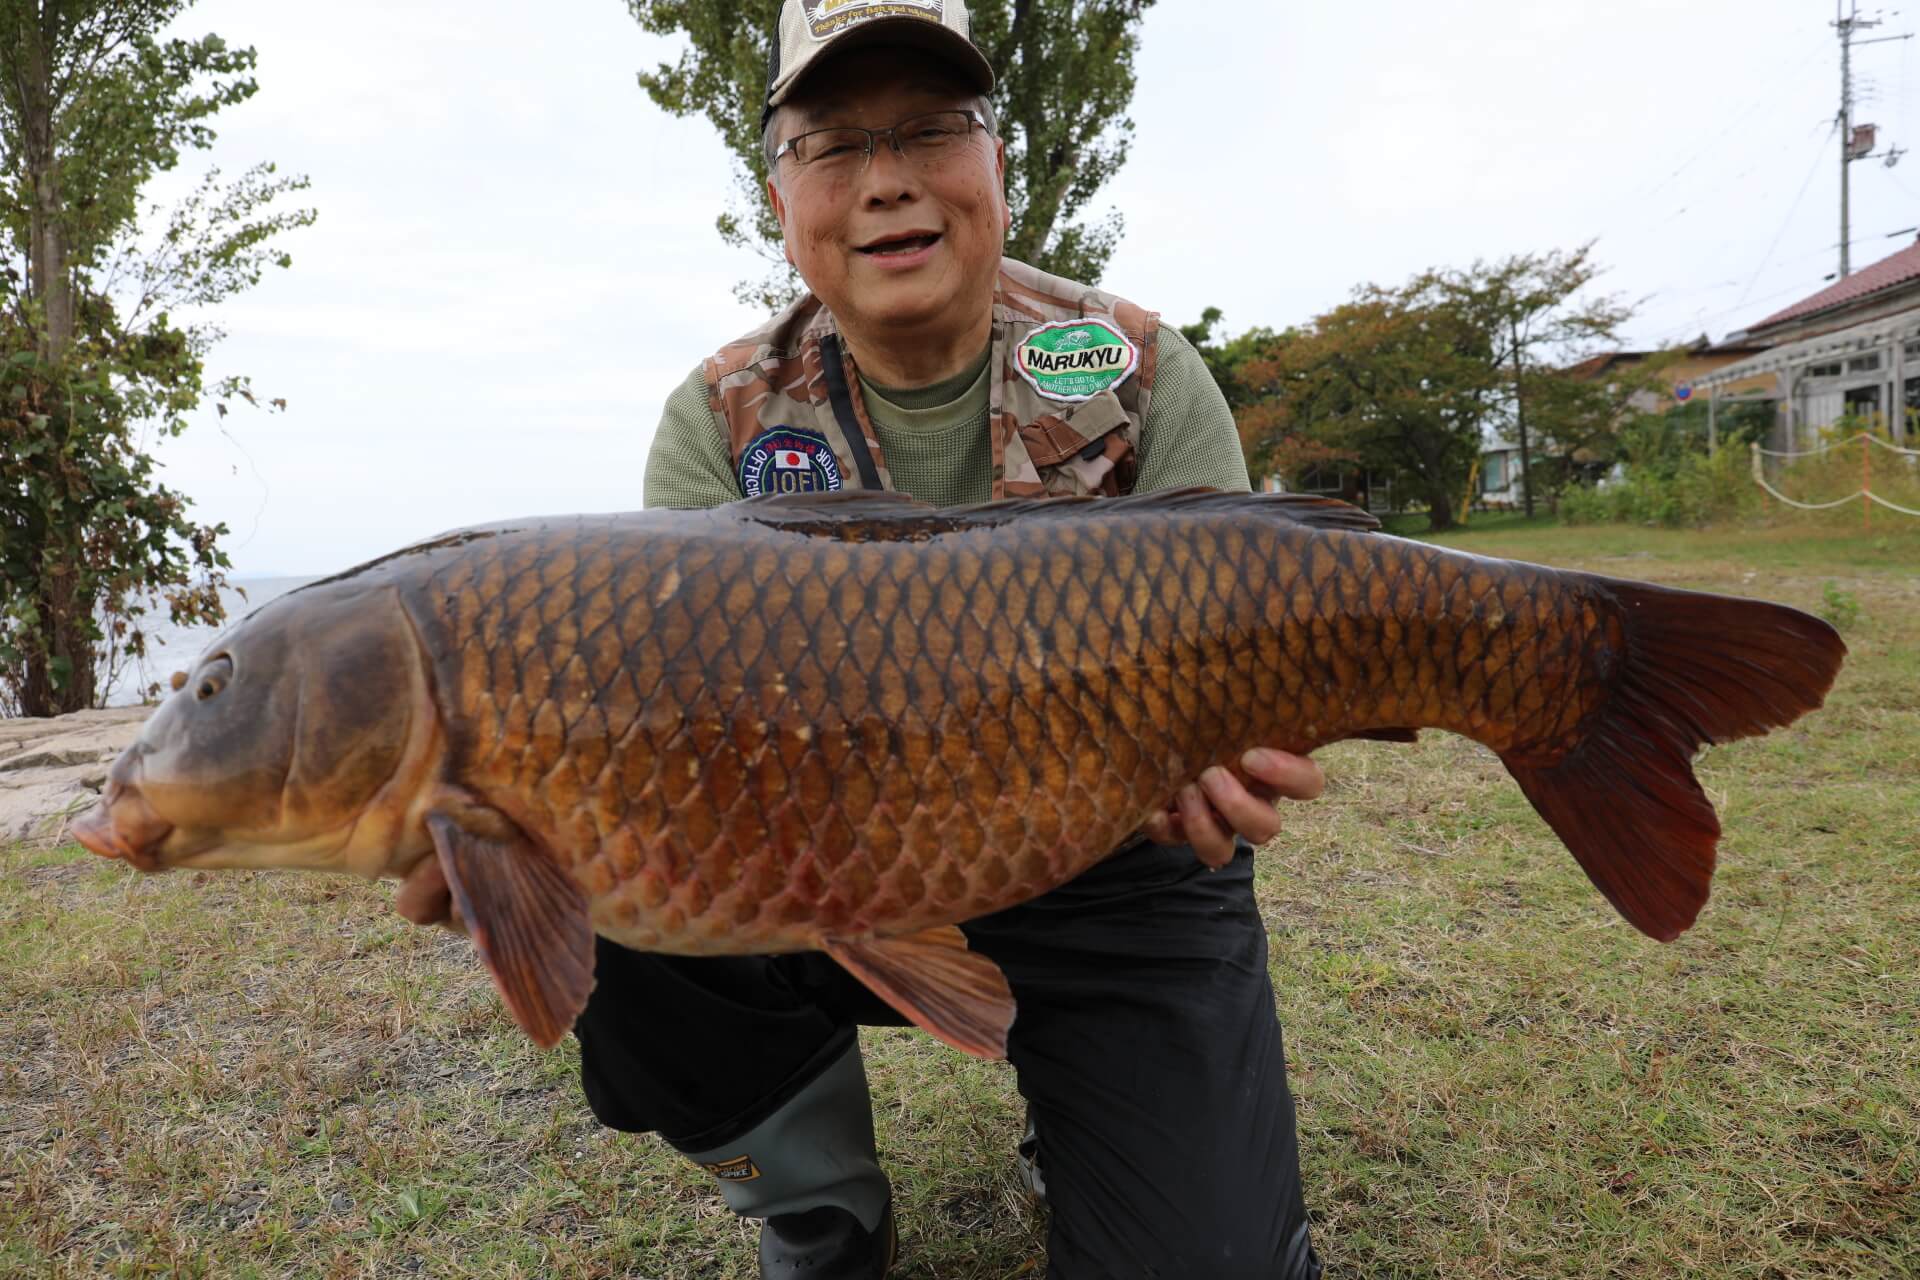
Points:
[1678,491]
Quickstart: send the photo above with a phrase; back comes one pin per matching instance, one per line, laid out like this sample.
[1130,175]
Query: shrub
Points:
[1678,490]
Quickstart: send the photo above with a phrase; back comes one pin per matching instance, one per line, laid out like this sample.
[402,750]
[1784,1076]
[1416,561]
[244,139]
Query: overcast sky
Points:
[515,258]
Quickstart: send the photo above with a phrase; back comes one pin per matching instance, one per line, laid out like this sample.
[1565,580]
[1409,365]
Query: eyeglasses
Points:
[845,151]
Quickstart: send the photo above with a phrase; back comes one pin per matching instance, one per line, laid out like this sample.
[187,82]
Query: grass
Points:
[260,1075]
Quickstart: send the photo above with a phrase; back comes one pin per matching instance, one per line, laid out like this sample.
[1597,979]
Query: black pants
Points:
[1146,1044]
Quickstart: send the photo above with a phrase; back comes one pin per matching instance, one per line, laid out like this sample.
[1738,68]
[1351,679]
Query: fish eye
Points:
[213,677]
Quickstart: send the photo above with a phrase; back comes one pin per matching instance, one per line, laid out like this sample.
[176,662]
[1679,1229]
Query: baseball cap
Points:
[810,30]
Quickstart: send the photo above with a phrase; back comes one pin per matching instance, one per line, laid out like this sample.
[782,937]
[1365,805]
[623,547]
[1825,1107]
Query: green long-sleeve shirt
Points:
[936,443]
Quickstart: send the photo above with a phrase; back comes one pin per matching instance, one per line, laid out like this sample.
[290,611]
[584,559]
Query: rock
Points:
[51,769]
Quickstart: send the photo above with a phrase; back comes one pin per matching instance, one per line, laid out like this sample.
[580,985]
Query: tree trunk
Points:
[63,640]
[47,272]
[1439,508]
[64,636]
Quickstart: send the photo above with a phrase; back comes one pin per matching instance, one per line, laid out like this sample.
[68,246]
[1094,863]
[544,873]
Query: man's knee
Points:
[697,1049]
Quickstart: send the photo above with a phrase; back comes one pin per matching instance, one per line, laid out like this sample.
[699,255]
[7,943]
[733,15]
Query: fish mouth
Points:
[122,825]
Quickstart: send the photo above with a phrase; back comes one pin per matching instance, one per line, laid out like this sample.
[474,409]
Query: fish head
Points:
[285,745]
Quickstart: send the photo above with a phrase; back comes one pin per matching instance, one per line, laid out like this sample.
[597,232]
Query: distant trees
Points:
[1065,77]
[1413,380]
[93,363]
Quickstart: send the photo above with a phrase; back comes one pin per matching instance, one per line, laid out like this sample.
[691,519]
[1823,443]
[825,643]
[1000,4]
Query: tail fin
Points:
[1697,669]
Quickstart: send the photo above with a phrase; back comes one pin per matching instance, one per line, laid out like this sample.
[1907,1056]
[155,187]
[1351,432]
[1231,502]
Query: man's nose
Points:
[889,176]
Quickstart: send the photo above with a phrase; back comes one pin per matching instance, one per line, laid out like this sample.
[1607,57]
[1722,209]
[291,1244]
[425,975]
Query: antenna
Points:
[1856,141]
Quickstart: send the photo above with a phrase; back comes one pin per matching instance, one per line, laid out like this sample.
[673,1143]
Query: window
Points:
[1321,480]
[1863,400]
[1824,370]
[1493,473]
[1864,364]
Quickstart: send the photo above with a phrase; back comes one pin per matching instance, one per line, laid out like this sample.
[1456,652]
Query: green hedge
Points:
[1679,492]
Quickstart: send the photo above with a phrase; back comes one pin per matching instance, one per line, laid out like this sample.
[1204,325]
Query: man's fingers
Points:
[1213,845]
[1284,775]
[1164,827]
[1252,816]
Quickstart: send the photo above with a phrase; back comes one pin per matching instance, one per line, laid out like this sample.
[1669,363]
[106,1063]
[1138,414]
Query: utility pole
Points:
[1855,143]
[1520,416]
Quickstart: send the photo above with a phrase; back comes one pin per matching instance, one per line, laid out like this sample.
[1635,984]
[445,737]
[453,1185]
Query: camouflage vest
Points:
[1070,378]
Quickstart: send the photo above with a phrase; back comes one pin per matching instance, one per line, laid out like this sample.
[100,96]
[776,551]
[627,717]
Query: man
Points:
[1146,1042]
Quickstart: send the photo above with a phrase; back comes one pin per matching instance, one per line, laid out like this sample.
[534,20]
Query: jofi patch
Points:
[789,460]
[738,1169]
[827,18]
[1076,359]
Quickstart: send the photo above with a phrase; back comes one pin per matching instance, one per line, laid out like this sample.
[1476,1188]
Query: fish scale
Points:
[849,721]
[889,736]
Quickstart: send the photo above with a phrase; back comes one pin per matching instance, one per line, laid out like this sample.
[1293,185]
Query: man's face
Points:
[900,243]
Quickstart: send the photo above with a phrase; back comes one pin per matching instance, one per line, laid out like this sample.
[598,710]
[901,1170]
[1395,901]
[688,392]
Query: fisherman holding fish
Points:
[1161,1129]
[714,784]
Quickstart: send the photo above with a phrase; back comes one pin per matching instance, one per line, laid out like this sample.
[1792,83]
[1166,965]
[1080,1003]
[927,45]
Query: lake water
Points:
[171,648]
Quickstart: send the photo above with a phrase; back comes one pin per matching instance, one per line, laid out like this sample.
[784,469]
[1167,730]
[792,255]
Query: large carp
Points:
[847,722]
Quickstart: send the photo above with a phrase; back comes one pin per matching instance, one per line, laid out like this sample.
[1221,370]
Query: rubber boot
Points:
[810,1169]
[1032,1171]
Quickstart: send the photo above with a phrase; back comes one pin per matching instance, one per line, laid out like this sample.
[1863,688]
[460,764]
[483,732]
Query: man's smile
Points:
[900,244]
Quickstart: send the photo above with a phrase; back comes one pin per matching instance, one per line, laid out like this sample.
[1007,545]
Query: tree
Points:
[1532,308]
[1392,377]
[1064,73]
[93,366]
[1227,358]
[1411,380]
[1242,367]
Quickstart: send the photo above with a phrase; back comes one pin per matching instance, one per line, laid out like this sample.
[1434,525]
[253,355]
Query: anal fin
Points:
[957,995]
[526,916]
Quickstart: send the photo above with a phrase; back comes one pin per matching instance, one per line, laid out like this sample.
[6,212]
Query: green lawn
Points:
[259,1075]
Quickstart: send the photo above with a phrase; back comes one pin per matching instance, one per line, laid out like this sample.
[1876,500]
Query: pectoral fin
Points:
[526,916]
[958,995]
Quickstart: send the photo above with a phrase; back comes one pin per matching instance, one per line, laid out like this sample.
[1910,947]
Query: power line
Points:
[1767,261]
[1821,252]
[1771,98]
[1702,321]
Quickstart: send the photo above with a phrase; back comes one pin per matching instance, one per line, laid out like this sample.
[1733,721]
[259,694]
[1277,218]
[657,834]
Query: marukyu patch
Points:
[789,460]
[827,18]
[738,1169]
[1076,359]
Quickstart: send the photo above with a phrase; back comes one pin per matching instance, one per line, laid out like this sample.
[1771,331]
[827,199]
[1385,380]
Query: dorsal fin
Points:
[858,515]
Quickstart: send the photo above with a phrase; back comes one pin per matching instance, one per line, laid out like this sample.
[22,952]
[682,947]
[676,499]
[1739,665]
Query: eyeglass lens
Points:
[923,138]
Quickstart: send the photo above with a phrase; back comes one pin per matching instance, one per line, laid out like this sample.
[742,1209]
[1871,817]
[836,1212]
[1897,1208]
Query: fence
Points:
[1815,474]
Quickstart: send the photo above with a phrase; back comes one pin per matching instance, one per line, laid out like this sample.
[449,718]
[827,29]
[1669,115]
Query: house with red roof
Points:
[1853,347]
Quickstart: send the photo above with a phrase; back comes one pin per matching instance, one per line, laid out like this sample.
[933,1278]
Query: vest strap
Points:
[834,366]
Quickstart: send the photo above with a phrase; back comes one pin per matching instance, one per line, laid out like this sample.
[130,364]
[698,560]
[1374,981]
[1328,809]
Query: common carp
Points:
[847,722]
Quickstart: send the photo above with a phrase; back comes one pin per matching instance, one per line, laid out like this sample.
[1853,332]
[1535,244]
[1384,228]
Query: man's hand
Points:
[1208,815]
[425,899]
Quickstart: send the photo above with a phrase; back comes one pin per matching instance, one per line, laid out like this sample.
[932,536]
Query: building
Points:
[1853,347]
[1679,372]
[1499,484]
[1346,481]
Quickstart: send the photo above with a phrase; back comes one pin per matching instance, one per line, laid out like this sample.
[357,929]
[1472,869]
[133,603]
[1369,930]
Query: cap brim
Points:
[918,33]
